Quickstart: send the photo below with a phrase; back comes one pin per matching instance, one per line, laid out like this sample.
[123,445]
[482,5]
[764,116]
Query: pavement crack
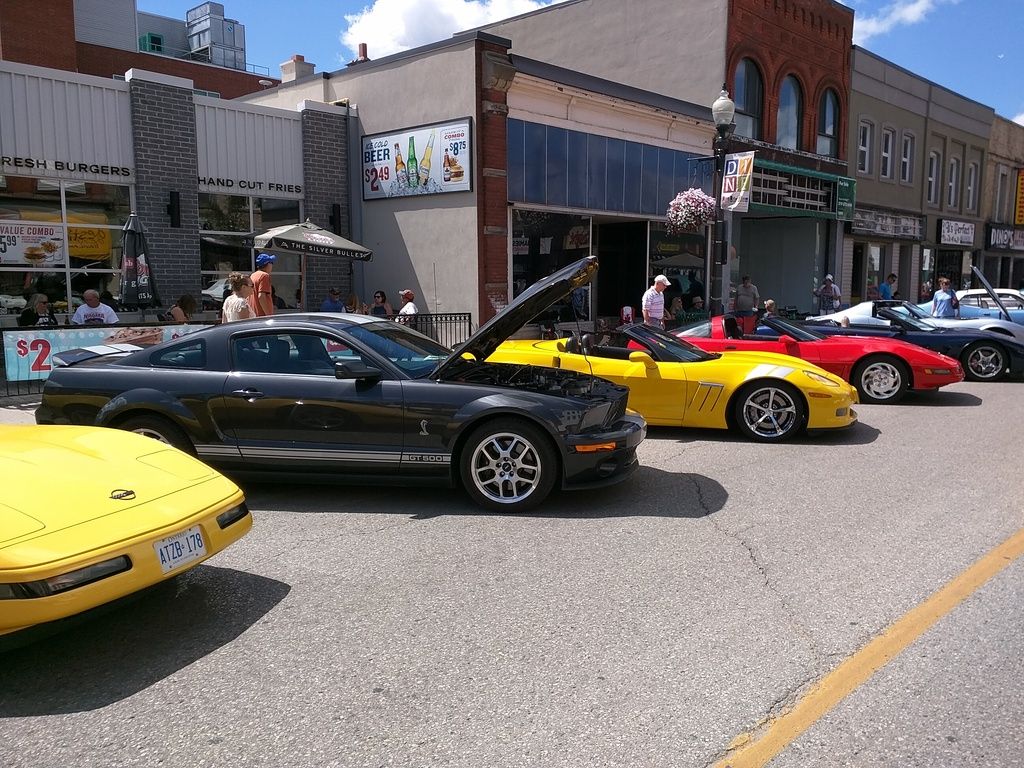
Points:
[817,657]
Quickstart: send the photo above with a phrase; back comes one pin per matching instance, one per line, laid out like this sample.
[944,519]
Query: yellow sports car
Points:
[91,515]
[767,397]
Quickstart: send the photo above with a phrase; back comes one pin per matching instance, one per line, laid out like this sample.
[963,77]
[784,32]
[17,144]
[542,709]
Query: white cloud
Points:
[389,26]
[1019,119]
[898,14]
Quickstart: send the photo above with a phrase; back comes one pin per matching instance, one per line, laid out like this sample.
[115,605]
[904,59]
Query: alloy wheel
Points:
[985,362]
[882,380]
[506,468]
[769,412]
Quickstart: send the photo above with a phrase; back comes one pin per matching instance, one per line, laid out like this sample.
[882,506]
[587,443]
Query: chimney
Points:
[361,57]
[296,68]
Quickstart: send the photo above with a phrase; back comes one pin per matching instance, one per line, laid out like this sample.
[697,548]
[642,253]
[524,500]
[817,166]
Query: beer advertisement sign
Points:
[428,160]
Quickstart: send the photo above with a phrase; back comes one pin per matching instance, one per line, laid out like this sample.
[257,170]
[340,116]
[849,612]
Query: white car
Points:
[215,291]
[866,313]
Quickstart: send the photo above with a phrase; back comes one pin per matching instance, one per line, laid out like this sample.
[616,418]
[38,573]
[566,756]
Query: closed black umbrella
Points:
[138,288]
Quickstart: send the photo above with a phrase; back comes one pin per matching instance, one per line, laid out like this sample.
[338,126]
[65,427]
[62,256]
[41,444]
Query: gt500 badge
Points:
[427,458]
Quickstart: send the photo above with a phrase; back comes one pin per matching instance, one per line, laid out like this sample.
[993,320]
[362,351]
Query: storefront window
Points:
[927,274]
[681,259]
[224,213]
[269,213]
[59,238]
[21,198]
[544,242]
[89,203]
[873,264]
[223,248]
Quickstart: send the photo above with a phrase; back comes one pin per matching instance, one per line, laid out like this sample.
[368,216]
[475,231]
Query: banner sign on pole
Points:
[736,181]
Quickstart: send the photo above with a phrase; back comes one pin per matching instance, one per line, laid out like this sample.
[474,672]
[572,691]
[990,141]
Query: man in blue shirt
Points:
[333,302]
[885,289]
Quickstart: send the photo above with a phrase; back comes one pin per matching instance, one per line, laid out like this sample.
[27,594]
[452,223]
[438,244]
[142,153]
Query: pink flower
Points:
[690,210]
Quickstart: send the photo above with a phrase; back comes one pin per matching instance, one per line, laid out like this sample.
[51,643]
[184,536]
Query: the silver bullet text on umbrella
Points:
[308,239]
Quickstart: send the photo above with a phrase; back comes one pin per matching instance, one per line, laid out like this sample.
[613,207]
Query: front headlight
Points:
[820,379]
[595,417]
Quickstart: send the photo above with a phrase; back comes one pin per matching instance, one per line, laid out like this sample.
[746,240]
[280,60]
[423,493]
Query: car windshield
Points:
[666,347]
[786,328]
[907,309]
[700,330]
[411,352]
[908,322]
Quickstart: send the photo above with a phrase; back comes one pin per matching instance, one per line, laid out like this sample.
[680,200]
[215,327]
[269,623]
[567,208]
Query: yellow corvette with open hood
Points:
[90,515]
[767,397]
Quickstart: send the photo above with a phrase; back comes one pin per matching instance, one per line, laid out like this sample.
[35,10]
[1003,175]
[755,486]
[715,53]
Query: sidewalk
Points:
[19,409]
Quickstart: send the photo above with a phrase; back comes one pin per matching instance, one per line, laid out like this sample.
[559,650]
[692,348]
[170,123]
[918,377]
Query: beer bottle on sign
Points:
[400,173]
[425,162]
[446,167]
[414,169]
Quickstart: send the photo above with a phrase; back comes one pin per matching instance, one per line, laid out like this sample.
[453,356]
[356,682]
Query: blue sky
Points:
[973,47]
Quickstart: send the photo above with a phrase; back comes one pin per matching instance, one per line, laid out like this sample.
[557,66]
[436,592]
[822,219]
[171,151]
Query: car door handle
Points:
[730,346]
[248,394]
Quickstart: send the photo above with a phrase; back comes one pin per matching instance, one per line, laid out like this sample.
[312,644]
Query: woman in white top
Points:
[236,306]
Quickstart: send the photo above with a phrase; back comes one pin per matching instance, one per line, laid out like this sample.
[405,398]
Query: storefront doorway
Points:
[621,279]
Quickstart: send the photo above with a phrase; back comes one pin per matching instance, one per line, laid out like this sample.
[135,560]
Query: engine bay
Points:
[551,381]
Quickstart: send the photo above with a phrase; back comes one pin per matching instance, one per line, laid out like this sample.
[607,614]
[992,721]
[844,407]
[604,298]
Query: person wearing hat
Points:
[333,302]
[261,300]
[653,302]
[828,296]
[408,306]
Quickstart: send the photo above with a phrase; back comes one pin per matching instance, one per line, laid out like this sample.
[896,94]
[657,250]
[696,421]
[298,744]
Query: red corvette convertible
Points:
[882,369]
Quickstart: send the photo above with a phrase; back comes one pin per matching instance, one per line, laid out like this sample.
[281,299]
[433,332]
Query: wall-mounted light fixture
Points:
[335,219]
[174,208]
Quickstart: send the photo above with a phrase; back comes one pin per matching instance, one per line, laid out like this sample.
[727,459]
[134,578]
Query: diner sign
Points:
[32,245]
[429,160]
[28,352]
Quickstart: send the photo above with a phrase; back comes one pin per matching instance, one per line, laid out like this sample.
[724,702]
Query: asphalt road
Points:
[649,624]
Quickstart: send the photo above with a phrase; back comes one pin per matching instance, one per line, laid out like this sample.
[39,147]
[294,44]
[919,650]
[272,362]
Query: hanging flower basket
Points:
[690,211]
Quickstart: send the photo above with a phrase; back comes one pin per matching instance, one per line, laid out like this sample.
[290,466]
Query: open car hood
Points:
[991,292]
[527,306]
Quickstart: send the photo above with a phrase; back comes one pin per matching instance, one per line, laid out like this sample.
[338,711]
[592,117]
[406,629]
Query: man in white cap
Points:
[828,296]
[653,302]
[408,307]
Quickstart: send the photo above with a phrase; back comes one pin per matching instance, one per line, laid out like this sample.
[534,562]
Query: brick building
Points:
[106,38]
[202,173]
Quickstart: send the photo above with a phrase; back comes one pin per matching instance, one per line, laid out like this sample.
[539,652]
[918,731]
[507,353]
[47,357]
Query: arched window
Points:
[748,91]
[791,110]
[828,124]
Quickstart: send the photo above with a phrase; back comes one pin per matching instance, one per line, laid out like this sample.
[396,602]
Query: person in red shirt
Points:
[261,300]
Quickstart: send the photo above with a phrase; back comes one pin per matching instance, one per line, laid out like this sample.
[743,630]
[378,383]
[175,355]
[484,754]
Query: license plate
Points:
[181,548]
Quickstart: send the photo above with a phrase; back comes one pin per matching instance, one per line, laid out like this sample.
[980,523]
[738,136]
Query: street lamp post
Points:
[722,110]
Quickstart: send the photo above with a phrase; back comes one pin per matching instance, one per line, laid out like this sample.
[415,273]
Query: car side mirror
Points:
[560,345]
[356,370]
[639,356]
[787,340]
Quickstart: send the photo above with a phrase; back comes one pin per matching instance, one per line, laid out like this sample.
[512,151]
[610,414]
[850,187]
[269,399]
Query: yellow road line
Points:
[750,750]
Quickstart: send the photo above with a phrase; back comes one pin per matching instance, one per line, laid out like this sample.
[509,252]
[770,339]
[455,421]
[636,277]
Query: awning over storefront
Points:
[789,190]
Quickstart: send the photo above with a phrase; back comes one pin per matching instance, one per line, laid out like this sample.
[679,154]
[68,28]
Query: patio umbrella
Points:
[137,285]
[307,238]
